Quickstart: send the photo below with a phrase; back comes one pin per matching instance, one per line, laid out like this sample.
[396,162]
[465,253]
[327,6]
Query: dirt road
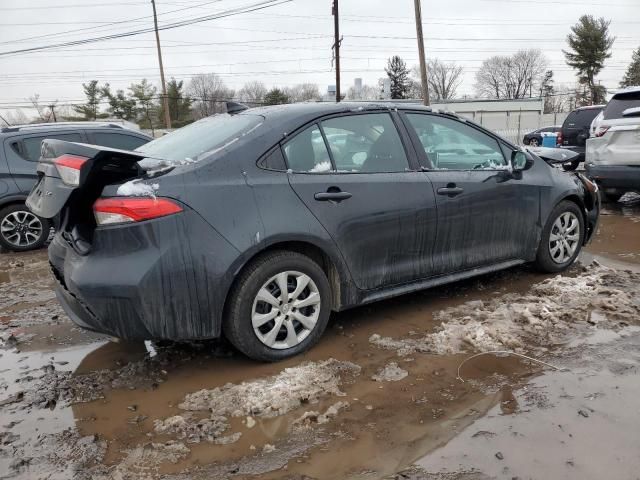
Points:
[392,390]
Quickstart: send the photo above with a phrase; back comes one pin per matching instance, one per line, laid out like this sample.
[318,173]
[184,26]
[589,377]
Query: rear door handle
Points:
[332,196]
[451,191]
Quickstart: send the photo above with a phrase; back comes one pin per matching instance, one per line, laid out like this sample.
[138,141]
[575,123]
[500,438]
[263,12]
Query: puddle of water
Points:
[618,234]
[578,424]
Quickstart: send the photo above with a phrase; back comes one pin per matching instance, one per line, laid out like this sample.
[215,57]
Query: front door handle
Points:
[334,196]
[451,190]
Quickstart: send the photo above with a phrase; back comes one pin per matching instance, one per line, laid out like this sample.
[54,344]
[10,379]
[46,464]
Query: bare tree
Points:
[208,91]
[17,117]
[303,92]
[43,113]
[444,79]
[367,92]
[516,76]
[252,92]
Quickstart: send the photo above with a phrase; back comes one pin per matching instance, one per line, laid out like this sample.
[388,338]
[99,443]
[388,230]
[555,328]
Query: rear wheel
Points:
[562,238]
[534,142]
[21,230]
[279,306]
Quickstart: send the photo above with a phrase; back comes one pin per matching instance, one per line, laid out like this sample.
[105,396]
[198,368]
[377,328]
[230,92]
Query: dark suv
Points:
[19,153]
[575,131]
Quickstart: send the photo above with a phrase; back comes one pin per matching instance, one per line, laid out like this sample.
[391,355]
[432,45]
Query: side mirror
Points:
[631,112]
[518,160]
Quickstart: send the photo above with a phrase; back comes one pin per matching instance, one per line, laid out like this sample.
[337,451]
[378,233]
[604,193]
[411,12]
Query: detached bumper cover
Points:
[160,279]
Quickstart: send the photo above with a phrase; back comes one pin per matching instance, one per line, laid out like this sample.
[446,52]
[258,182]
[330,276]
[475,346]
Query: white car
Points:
[613,152]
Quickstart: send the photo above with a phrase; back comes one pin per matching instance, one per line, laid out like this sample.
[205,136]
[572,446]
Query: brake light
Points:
[601,131]
[559,139]
[68,167]
[131,209]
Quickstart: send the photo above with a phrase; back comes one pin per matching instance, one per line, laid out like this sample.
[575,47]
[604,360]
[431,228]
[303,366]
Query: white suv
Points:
[613,151]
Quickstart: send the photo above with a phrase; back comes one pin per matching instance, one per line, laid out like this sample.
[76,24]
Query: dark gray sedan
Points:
[258,223]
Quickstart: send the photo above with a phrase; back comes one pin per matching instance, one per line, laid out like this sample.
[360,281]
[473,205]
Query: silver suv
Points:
[613,151]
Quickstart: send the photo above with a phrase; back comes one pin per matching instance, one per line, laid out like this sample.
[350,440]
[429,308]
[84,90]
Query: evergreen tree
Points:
[275,96]
[548,89]
[93,93]
[632,75]
[145,94]
[399,75]
[120,105]
[179,104]
[590,45]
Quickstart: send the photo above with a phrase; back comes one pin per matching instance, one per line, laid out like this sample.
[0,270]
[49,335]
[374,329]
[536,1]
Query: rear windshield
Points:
[620,103]
[581,118]
[202,138]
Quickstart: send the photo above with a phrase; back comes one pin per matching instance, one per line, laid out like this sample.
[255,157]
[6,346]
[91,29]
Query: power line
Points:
[245,9]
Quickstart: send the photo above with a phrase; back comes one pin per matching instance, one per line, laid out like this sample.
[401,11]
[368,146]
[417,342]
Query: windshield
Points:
[204,137]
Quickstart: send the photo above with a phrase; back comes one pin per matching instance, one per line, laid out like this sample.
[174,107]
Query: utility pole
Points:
[423,60]
[165,98]
[336,46]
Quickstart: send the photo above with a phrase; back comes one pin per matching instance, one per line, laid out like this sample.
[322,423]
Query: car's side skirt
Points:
[397,290]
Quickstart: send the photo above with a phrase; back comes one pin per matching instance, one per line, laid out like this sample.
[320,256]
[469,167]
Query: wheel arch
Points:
[334,269]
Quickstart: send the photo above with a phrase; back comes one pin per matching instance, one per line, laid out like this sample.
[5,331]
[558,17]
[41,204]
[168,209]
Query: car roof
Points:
[36,127]
[631,89]
[292,110]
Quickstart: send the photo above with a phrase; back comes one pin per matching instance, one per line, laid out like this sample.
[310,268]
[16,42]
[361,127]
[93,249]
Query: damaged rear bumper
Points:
[160,279]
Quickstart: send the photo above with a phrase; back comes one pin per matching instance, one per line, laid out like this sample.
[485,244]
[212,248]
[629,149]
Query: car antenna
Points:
[235,107]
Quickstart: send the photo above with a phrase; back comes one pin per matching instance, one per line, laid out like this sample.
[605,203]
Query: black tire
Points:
[5,240]
[237,324]
[544,261]
[611,196]
[571,166]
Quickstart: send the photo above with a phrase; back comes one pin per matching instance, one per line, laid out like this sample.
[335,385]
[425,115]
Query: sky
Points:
[285,44]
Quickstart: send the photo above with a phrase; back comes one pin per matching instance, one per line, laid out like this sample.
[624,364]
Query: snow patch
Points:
[321,167]
[390,373]
[547,314]
[137,188]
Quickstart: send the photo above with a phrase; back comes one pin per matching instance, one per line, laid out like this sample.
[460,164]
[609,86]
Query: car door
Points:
[23,153]
[485,214]
[360,179]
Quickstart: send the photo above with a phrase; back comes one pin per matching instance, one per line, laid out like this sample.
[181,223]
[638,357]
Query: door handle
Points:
[451,190]
[335,196]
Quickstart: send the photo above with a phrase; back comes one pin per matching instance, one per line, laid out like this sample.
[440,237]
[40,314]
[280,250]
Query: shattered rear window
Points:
[202,138]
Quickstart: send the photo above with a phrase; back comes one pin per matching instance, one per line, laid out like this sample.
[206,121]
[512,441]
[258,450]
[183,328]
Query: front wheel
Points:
[562,238]
[279,306]
[21,230]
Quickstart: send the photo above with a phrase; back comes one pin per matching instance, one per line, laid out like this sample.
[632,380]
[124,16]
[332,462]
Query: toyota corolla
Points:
[258,223]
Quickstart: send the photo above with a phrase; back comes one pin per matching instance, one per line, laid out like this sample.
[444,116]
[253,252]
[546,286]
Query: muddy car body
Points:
[259,224]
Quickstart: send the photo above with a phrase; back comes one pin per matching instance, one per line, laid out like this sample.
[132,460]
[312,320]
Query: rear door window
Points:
[619,103]
[117,140]
[29,147]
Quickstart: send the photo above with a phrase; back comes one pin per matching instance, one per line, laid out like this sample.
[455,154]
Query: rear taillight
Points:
[600,131]
[68,167]
[559,139]
[131,209]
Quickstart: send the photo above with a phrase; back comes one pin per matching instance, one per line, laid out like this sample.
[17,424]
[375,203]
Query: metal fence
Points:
[514,125]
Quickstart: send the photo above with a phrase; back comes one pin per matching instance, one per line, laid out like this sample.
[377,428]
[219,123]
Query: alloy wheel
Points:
[285,310]
[534,142]
[21,228]
[564,237]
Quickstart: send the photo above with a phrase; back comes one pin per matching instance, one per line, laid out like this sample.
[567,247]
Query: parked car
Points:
[534,138]
[230,227]
[575,131]
[613,153]
[20,229]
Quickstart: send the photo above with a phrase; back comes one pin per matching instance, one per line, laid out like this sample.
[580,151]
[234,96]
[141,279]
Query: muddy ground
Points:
[403,389]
